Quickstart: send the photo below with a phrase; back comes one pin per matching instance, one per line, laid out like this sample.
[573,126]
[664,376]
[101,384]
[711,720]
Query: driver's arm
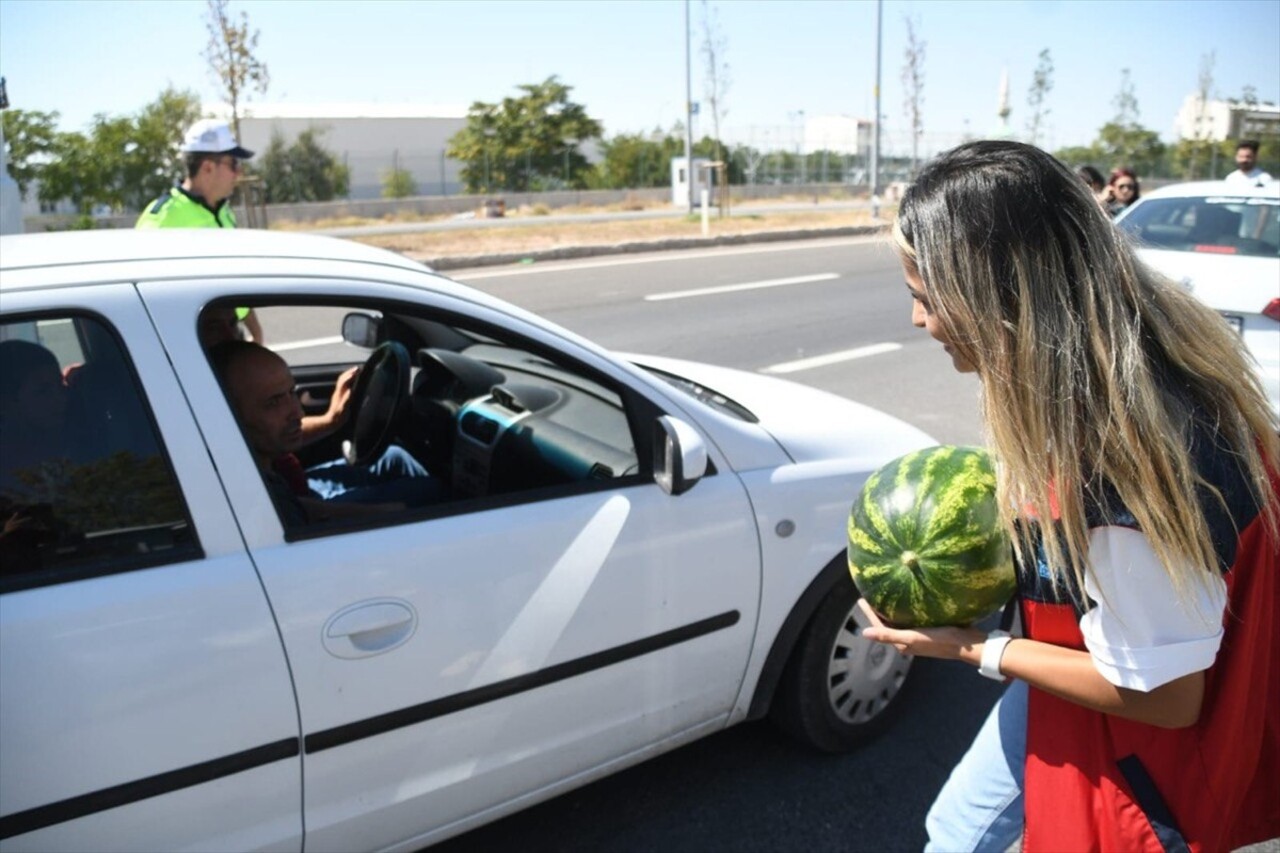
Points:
[316,427]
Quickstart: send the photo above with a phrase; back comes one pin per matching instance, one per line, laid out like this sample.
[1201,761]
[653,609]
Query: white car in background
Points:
[1223,243]
[630,554]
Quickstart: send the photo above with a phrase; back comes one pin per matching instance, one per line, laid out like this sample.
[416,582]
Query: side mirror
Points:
[679,455]
[361,330]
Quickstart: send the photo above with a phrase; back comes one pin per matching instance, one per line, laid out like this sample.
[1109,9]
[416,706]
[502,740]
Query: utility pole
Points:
[688,107]
[875,137]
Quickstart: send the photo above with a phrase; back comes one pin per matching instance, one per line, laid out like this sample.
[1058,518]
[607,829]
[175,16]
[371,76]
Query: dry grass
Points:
[479,241]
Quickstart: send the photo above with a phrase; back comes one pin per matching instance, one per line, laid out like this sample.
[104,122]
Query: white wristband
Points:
[992,652]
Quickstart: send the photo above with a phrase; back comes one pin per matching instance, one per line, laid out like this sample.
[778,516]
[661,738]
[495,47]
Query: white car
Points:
[623,555]
[1222,242]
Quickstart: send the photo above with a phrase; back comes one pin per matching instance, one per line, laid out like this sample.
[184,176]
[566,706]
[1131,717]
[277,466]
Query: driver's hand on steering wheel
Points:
[315,427]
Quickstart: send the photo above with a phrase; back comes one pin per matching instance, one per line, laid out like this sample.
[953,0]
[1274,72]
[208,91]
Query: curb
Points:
[453,262]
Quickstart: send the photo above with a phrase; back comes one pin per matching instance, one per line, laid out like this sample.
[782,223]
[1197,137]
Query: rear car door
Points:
[460,663]
[145,701]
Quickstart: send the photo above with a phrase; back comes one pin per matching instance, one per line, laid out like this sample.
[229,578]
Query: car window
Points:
[85,485]
[453,416]
[1223,225]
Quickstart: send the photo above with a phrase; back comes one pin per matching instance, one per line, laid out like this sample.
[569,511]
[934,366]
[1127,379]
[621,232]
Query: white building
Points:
[370,139]
[1220,120]
[839,134]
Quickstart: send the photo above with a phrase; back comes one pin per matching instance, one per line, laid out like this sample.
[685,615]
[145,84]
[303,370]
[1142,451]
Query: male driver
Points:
[264,397]
[1247,173]
[212,157]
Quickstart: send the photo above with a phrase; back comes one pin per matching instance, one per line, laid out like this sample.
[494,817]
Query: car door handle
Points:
[369,628]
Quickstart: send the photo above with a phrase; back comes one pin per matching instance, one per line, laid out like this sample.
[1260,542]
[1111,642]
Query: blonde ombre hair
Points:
[1096,371]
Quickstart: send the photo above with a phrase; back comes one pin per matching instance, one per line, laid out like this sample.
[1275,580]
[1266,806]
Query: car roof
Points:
[67,248]
[1196,189]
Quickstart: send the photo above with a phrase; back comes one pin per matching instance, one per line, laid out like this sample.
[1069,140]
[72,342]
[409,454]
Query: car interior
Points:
[1213,225]
[489,417]
[85,486]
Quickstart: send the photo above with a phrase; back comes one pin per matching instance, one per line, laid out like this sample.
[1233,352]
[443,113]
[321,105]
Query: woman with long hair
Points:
[1137,460]
[1121,191]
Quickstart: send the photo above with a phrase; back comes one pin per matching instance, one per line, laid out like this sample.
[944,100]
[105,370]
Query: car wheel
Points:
[838,688]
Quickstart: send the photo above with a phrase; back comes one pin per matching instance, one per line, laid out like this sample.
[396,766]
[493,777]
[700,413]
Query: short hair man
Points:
[213,159]
[1247,172]
[264,397]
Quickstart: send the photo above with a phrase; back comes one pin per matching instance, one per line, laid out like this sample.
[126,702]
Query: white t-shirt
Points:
[1255,178]
[1141,634]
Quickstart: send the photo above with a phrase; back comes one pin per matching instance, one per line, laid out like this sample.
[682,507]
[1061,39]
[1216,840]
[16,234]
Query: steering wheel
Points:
[378,403]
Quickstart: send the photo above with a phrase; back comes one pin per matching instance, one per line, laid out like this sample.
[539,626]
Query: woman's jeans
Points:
[980,806]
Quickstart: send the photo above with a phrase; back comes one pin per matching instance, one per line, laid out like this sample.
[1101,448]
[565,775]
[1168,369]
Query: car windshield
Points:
[1219,225]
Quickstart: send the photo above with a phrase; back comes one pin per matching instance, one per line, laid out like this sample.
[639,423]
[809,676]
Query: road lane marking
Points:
[831,358]
[313,342]
[570,264]
[734,288]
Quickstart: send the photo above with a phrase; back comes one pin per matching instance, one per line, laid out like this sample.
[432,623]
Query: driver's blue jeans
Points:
[395,478]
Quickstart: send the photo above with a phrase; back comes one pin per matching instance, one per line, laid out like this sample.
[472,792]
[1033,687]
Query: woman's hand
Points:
[948,643]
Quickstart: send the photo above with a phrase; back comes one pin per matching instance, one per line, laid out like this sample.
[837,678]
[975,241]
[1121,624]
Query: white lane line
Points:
[733,288]
[660,257]
[831,358]
[314,342]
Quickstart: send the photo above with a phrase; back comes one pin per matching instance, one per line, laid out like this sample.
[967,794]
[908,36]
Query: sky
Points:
[625,59]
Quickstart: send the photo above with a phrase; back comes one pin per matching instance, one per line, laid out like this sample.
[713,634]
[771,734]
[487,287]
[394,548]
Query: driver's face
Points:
[266,401]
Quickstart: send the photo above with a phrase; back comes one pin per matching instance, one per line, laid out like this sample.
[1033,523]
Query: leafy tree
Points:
[522,143]
[1123,141]
[31,137]
[72,173]
[913,88]
[1081,155]
[1041,86]
[398,183]
[231,56]
[158,132]
[303,171]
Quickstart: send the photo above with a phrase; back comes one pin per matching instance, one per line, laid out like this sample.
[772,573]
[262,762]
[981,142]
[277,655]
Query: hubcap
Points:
[862,676]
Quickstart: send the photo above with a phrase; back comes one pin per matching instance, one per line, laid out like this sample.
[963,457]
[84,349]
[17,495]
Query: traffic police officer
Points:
[213,159]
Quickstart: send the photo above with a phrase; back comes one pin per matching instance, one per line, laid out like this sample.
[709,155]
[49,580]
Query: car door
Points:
[145,701]
[451,667]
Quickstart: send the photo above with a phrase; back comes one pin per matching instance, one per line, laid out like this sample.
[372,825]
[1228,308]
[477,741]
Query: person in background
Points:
[1248,173]
[214,160]
[1121,191]
[1138,481]
[1096,183]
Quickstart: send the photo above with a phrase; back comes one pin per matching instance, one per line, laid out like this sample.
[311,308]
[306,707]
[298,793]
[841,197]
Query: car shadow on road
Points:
[751,789]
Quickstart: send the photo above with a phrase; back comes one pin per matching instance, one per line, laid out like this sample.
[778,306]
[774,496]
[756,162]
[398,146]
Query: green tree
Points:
[398,183]
[303,171]
[1041,86]
[71,173]
[231,54]
[523,143]
[1123,141]
[31,138]
[159,129]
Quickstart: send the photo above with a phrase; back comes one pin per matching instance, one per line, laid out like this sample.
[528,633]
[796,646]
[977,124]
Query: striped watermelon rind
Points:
[926,544]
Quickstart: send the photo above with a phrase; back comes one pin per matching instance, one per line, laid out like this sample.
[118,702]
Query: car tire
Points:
[839,690]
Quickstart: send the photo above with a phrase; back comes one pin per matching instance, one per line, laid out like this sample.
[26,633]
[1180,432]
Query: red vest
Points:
[1095,782]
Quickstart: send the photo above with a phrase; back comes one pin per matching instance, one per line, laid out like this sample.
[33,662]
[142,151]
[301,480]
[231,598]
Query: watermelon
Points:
[926,545]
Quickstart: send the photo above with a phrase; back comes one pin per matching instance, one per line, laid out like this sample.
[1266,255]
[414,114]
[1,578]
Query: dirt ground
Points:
[533,236]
